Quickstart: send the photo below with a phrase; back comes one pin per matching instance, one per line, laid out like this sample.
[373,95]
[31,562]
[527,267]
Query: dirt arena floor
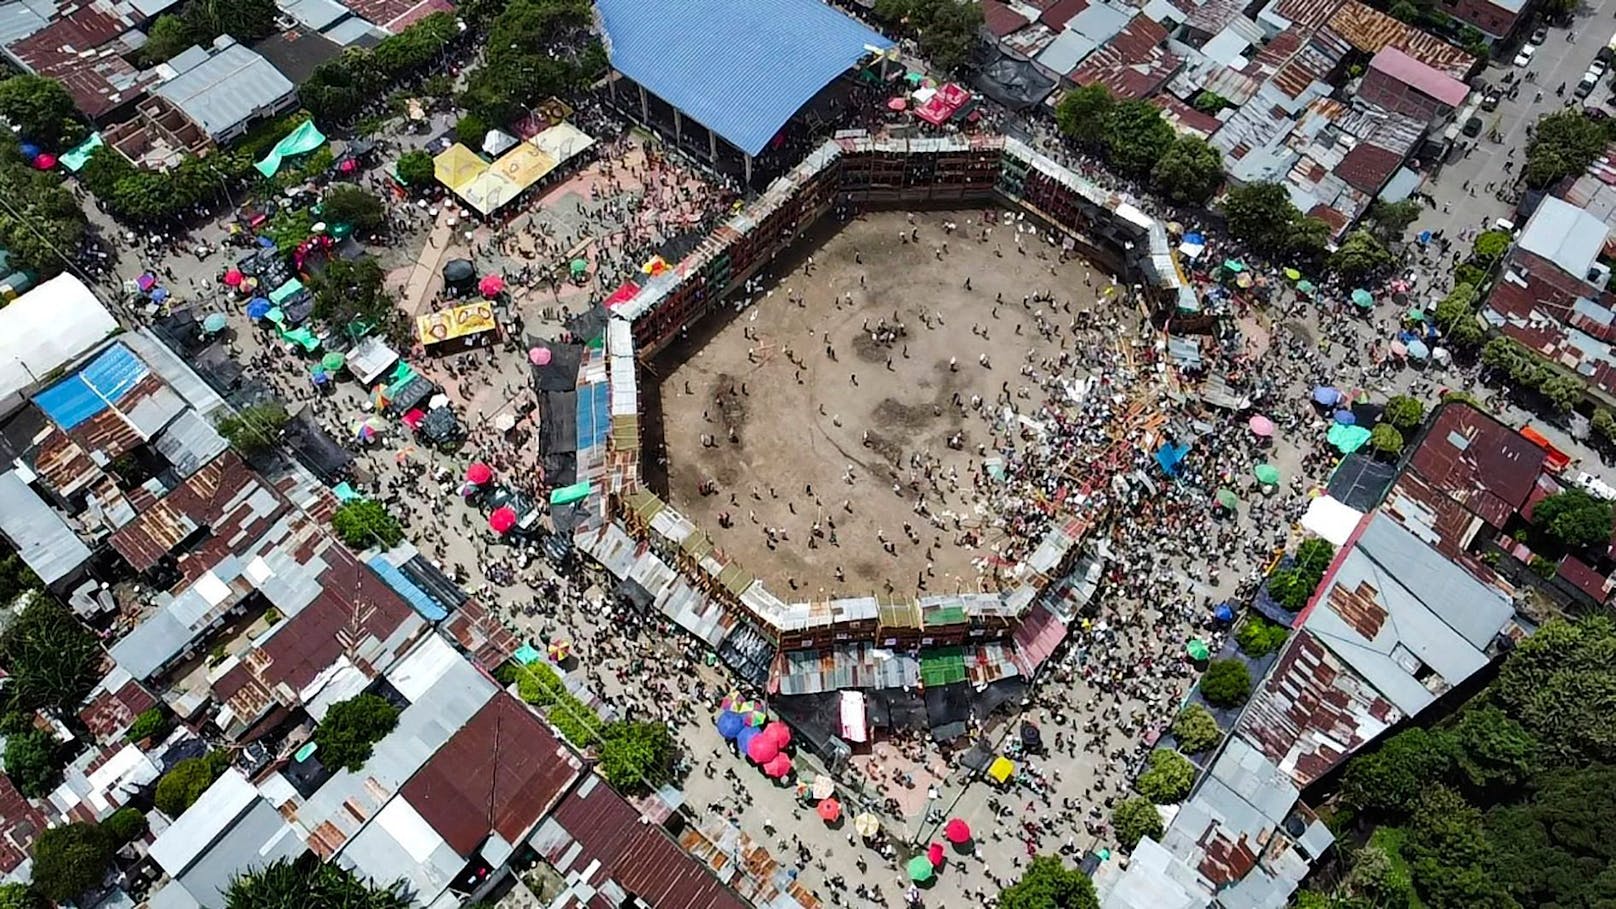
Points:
[798,414]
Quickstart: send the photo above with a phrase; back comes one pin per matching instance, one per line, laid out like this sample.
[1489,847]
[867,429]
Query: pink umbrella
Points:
[233,277]
[779,732]
[539,356]
[491,285]
[777,768]
[1261,425]
[762,749]
[897,104]
[348,166]
[479,473]
[503,519]
[45,161]
[1399,349]
[934,854]
[957,831]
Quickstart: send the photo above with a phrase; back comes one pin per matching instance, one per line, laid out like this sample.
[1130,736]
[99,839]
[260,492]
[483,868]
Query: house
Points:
[231,829]
[225,88]
[1403,84]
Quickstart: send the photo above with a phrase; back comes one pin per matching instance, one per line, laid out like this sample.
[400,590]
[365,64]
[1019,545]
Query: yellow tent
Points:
[1001,769]
[488,192]
[457,167]
[524,165]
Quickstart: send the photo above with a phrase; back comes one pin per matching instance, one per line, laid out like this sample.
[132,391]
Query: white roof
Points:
[44,330]
[1565,235]
[188,837]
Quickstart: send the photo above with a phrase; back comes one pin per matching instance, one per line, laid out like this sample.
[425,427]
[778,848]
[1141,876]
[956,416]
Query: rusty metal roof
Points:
[225,497]
[1308,14]
[1367,167]
[498,774]
[78,51]
[1370,30]
[1470,456]
[20,824]
[112,707]
[1134,64]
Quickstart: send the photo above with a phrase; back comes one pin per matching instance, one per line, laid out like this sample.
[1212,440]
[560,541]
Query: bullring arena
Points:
[880,394]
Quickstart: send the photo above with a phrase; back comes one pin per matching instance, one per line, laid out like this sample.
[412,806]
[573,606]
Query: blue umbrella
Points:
[730,724]
[1223,613]
[319,377]
[29,150]
[1325,396]
[1418,350]
[744,738]
[159,295]
[266,243]
[1345,418]
[258,307]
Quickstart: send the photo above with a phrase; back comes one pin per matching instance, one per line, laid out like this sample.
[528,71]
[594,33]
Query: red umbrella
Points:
[777,768]
[45,161]
[934,854]
[897,104]
[830,810]
[503,519]
[233,277]
[491,285]
[957,831]
[762,749]
[779,732]
[479,473]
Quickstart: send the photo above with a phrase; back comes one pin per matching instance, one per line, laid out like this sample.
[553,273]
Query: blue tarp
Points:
[404,587]
[526,654]
[92,389]
[740,69]
[594,415]
[1169,456]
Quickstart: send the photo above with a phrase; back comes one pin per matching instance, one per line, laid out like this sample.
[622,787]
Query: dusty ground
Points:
[798,415]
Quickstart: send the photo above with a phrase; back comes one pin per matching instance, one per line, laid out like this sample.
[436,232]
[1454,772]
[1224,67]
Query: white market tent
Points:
[44,330]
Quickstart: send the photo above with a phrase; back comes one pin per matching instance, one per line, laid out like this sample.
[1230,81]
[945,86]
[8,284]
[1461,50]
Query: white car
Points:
[1598,68]
[1525,56]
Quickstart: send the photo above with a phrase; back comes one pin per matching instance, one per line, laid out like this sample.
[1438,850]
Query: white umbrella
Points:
[823,787]
[505,422]
[437,400]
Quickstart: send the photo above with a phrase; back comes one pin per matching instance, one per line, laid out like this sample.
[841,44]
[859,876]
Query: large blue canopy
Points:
[739,67]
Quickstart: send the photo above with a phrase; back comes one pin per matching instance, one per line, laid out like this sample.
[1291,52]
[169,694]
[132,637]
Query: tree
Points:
[70,859]
[355,290]
[1226,683]
[167,36]
[1392,219]
[636,756]
[346,203]
[254,429]
[1195,730]
[313,884]
[247,21]
[19,896]
[1136,137]
[1574,518]
[1405,412]
[16,578]
[1259,637]
[1490,246]
[1190,172]
[185,782]
[33,762]
[1603,425]
[42,110]
[1360,256]
[124,825]
[470,130]
[1083,113]
[1562,392]
[1565,143]
[52,660]
[1262,216]
[1493,749]
[1557,847]
[363,523]
[1386,440]
[946,30]
[1391,777]
[1167,778]
[1449,853]
[416,170]
[1134,819]
[151,723]
[351,728]
[1049,884]
[1209,102]
[1560,685]
[1379,880]
[44,225]
[1456,316]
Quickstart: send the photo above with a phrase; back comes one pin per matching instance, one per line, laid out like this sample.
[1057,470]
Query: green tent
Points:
[303,338]
[300,141]
[1347,439]
[566,494]
[280,294]
[275,316]
[75,158]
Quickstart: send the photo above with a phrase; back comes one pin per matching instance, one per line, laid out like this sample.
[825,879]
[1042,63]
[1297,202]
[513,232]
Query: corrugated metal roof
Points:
[1566,235]
[1416,74]
[228,88]
[47,545]
[741,69]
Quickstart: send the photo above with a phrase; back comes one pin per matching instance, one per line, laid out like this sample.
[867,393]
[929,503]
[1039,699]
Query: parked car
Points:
[1586,86]
[1472,127]
[1491,99]
[1598,67]
[1540,35]
[1525,56]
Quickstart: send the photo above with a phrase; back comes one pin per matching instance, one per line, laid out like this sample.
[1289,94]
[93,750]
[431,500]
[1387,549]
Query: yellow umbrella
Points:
[866,824]
[1001,768]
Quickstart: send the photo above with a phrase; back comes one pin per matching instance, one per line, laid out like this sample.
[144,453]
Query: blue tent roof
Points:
[741,69]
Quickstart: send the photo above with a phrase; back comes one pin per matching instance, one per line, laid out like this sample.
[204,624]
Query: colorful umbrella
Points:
[729,724]
[1197,649]
[1234,265]
[934,854]
[1345,417]
[491,285]
[333,361]
[1228,499]
[1363,299]
[823,787]
[559,650]
[897,104]
[1306,288]
[829,810]
[1293,274]
[1261,425]
[215,322]
[578,267]
[479,473]
[1415,314]
[777,768]
[920,869]
[257,308]
[233,277]
[1244,280]
[779,732]
[539,356]
[1325,396]
[866,824]
[1267,474]
[734,701]
[1418,350]
[957,831]
[762,749]
[756,718]
[503,519]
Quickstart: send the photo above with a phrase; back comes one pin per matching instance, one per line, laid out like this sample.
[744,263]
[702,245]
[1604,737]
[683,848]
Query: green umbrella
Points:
[1267,474]
[1228,499]
[1306,287]
[920,869]
[332,361]
[579,266]
[1197,649]
[1363,298]
[1234,265]
[1293,274]
[215,322]
[914,78]
[1416,314]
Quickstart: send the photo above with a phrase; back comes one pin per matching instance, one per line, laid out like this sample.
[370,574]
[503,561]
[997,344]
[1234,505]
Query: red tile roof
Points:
[499,774]
[1367,167]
